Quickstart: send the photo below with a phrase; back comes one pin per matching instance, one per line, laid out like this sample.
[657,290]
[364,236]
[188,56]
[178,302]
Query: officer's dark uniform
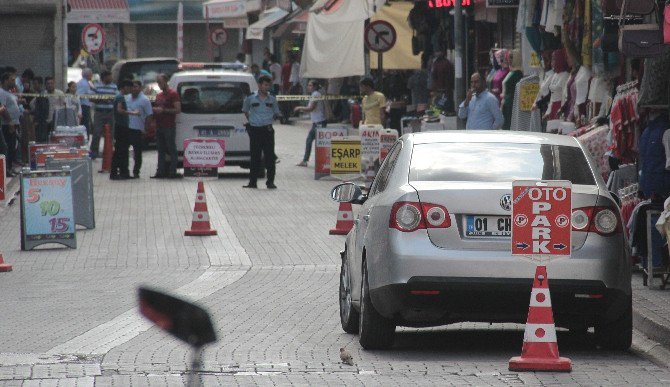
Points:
[261,113]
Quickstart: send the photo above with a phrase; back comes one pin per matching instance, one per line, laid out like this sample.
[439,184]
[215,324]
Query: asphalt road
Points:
[270,280]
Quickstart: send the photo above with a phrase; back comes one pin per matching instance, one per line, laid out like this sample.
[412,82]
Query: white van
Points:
[211,106]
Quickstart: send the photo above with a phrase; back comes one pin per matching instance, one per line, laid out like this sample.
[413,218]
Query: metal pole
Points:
[458,53]
[380,74]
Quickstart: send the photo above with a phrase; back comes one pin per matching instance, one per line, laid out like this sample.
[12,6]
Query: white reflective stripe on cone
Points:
[540,333]
[200,216]
[535,301]
[345,215]
[200,198]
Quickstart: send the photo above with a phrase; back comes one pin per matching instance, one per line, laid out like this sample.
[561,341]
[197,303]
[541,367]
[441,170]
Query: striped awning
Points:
[98,11]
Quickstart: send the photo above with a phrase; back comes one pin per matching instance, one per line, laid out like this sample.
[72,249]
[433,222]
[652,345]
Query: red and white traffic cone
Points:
[345,220]
[200,225]
[540,348]
[4,267]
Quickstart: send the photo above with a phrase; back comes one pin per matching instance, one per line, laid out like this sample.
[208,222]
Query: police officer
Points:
[261,108]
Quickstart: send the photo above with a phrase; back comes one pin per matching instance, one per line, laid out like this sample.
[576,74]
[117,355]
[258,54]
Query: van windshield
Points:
[212,97]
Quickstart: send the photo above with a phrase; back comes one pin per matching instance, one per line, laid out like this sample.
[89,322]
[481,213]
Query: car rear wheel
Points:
[375,331]
[348,314]
[616,334]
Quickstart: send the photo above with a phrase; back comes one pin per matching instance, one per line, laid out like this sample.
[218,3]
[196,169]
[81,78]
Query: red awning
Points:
[98,11]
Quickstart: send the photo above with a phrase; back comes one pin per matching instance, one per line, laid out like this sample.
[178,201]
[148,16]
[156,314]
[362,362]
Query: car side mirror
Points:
[183,320]
[347,193]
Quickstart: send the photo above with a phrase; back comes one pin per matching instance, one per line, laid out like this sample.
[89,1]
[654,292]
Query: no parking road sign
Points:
[541,225]
[93,38]
[380,36]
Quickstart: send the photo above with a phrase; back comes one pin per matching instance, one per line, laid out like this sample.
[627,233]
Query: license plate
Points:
[488,226]
[214,132]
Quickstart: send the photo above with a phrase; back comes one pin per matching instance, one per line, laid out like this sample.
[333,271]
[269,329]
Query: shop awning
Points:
[217,9]
[101,11]
[295,23]
[269,18]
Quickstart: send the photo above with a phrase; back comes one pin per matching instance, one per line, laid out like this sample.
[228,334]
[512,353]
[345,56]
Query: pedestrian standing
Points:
[56,102]
[317,114]
[10,118]
[481,107]
[166,108]
[374,103]
[275,70]
[104,110]
[140,111]
[120,169]
[260,109]
[71,100]
[39,108]
[3,145]
[85,87]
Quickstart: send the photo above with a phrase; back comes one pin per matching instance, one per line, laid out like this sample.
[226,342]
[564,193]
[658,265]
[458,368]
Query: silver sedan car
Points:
[431,242]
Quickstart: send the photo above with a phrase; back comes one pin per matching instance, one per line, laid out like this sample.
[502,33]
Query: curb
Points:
[651,327]
[650,349]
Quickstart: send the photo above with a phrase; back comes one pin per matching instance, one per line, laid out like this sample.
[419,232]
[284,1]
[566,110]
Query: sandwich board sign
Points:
[203,156]
[47,208]
[82,187]
[541,219]
[345,156]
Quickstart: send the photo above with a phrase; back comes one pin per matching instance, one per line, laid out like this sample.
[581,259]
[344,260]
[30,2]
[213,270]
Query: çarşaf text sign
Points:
[322,154]
[345,156]
[370,149]
[47,209]
[541,219]
[387,139]
[204,153]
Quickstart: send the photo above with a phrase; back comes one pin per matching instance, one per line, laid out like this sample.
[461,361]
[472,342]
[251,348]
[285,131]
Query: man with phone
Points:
[480,108]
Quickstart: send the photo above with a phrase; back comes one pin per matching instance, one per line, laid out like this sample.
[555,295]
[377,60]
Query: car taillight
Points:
[601,220]
[411,216]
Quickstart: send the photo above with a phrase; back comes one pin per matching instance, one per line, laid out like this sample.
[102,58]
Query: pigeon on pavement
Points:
[346,357]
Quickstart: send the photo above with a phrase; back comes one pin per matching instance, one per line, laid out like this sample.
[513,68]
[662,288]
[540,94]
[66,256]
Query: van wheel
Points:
[375,331]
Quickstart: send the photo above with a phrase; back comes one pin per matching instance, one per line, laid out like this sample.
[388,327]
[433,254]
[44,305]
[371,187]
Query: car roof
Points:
[205,73]
[495,136]
[154,59]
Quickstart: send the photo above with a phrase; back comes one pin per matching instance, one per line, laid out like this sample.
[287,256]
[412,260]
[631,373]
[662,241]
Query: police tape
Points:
[280,98]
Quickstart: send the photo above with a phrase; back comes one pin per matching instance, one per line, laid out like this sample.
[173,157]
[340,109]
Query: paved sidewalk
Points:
[269,279]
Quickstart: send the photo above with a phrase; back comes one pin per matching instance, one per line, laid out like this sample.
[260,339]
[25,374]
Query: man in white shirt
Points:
[139,112]
[275,70]
[85,86]
[317,114]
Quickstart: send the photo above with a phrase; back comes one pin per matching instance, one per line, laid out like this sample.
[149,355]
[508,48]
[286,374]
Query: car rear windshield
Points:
[212,97]
[499,162]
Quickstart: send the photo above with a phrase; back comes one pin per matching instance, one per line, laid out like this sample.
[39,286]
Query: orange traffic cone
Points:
[540,349]
[200,225]
[4,267]
[345,220]
[107,151]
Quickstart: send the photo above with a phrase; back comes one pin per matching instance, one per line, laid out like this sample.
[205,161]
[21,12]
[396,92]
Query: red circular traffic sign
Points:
[218,36]
[93,38]
[380,36]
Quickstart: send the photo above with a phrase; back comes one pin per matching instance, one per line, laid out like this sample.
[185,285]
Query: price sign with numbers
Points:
[47,209]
